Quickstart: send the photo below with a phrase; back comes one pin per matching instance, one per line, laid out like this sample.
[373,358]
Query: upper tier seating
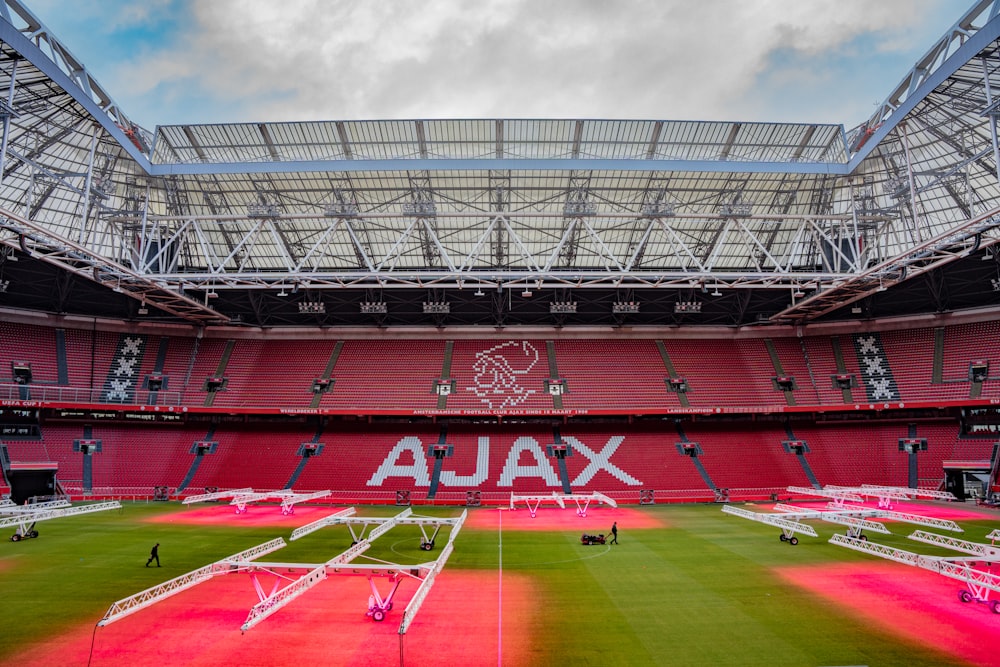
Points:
[502,375]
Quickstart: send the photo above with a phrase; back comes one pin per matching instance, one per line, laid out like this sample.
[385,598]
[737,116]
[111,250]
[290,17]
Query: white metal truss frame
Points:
[283,596]
[979,583]
[25,521]
[15,14]
[287,497]
[981,13]
[358,534]
[854,519]
[154,594]
[838,496]
[215,495]
[11,508]
[913,493]
[582,501]
[537,260]
[788,526]
[957,242]
[280,597]
[921,520]
[985,551]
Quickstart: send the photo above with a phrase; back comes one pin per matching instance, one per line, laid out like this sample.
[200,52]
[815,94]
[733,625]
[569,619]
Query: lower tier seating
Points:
[622,460]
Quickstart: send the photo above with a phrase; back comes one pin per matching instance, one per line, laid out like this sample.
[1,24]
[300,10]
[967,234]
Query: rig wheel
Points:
[965,596]
[378,615]
[793,541]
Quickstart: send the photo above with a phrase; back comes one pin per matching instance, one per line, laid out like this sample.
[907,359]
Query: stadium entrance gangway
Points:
[26,521]
[978,582]
[582,501]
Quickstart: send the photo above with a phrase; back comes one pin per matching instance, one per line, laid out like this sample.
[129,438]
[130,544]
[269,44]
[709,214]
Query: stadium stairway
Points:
[557,400]
[449,346]
[198,456]
[801,454]
[672,373]
[88,462]
[438,461]
[306,455]
[683,447]
[561,461]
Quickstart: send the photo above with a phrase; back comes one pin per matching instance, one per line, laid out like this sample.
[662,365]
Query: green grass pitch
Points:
[700,590]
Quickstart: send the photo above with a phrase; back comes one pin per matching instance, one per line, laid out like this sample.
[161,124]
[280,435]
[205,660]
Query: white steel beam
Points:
[332,519]
[986,551]
[282,597]
[46,514]
[205,497]
[880,550]
[152,595]
[771,520]
[836,494]
[920,520]
[914,493]
[9,507]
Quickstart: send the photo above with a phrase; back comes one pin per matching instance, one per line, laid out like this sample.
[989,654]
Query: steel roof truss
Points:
[73,257]
[529,259]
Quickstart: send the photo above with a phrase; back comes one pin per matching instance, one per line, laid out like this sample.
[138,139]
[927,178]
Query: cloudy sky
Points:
[206,61]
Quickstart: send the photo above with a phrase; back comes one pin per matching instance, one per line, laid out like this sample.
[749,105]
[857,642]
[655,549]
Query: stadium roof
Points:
[213,223]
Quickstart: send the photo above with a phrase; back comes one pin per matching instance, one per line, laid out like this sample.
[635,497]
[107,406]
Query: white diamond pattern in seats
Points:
[123,375]
[875,372]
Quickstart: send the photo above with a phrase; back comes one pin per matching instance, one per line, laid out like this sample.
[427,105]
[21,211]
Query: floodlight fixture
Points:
[687,307]
[312,307]
[374,307]
[622,307]
[562,307]
[736,210]
[658,210]
[341,209]
[420,209]
[263,210]
[578,208]
[437,307]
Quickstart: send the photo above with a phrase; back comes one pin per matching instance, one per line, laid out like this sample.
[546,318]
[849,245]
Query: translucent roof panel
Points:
[500,139]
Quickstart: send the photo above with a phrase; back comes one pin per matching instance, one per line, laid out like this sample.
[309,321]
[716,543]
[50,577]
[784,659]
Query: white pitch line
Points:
[500,589]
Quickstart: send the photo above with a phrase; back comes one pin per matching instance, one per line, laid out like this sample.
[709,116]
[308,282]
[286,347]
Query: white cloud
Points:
[326,59]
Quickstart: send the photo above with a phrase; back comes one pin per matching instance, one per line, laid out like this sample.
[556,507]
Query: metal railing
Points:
[53,394]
